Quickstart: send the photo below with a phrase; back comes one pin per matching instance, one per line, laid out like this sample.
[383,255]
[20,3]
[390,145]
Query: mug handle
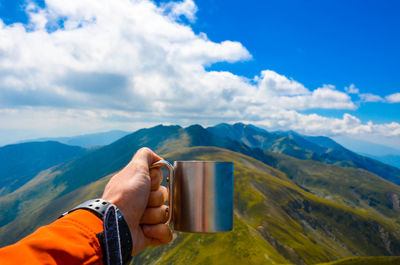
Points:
[170,180]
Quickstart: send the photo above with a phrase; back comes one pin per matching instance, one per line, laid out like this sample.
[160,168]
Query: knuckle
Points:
[144,150]
[140,152]
[163,190]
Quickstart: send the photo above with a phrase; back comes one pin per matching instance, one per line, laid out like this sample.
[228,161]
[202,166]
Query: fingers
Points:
[157,234]
[141,162]
[155,215]
[146,155]
[158,197]
[156,178]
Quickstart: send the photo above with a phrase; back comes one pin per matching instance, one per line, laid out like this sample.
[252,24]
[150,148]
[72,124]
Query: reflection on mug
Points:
[201,195]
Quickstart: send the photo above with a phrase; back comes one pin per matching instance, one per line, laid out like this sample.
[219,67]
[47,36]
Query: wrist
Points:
[115,239]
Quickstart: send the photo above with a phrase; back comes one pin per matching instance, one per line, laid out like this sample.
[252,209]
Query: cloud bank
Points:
[88,65]
[393,98]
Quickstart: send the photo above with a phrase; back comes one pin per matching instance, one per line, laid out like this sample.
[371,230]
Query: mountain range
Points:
[21,162]
[393,160]
[299,200]
[86,140]
[318,148]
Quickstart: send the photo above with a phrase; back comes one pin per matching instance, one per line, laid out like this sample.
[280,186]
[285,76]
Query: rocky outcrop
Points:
[394,200]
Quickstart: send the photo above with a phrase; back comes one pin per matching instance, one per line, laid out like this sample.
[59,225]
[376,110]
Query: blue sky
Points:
[315,42]
[317,67]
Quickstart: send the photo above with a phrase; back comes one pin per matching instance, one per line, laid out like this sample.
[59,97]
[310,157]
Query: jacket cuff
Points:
[89,224]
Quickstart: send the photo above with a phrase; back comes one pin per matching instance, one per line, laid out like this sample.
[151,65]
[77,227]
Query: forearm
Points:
[100,234]
[69,240]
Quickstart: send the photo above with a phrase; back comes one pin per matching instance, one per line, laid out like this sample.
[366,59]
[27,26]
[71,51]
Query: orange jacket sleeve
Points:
[69,240]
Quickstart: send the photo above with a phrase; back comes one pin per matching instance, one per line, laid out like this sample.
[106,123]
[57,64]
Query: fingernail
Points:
[167,213]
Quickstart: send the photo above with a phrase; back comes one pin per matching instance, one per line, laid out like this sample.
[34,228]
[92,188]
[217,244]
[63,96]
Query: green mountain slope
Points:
[21,162]
[354,187]
[366,261]
[258,138]
[57,181]
[275,221]
[290,143]
[323,142]
[293,219]
[289,211]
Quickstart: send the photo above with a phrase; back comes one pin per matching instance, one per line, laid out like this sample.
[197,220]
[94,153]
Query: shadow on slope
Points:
[19,163]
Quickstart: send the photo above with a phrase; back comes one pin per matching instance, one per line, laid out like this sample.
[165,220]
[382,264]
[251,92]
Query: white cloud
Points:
[368,97]
[186,8]
[125,62]
[393,98]
[280,92]
[313,124]
[352,89]
[271,82]
[364,97]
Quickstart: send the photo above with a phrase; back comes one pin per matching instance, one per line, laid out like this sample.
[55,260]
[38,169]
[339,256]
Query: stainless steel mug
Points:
[200,195]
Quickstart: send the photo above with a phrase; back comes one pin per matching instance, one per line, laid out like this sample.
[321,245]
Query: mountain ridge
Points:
[85,140]
[266,204]
[393,160]
[287,210]
[290,143]
[21,162]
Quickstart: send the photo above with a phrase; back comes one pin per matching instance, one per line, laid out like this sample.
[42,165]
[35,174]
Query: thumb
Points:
[146,155]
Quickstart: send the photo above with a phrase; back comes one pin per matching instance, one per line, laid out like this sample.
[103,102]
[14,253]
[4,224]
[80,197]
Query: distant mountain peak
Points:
[239,125]
[272,193]
[166,126]
[195,127]
[318,148]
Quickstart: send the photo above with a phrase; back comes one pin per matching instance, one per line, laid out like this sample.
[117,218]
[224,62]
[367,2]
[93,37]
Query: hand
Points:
[137,192]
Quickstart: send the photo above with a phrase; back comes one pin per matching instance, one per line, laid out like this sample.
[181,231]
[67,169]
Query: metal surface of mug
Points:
[201,195]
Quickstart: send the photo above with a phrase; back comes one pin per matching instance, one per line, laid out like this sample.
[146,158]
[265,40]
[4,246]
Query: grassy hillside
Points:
[353,187]
[275,221]
[290,143]
[289,211]
[366,261]
[293,220]
[21,162]
[60,180]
